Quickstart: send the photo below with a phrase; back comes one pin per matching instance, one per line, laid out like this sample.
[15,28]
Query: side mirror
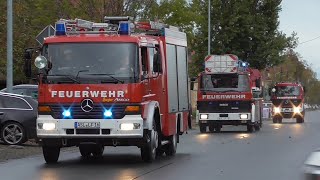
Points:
[192,85]
[304,89]
[258,83]
[157,63]
[27,62]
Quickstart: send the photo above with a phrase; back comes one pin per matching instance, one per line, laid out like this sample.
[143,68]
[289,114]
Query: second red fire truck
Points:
[288,101]
[228,94]
[116,83]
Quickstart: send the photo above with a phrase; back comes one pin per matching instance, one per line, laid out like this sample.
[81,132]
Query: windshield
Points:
[225,82]
[282,91]
[93,59]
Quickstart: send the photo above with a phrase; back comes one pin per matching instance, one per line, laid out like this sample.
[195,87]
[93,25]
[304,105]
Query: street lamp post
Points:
[209,26]
[9,46]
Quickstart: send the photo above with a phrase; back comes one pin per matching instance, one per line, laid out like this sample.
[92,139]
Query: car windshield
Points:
[93,59]
[225,82]
[282,91]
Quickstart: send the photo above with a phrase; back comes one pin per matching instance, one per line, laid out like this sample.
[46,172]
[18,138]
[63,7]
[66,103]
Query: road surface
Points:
[277,152]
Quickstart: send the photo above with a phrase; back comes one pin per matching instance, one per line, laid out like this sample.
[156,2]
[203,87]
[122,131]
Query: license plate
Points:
[223,118]
[87,125]
[286,110]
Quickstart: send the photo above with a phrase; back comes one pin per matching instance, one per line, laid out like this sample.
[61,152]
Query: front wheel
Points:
[203,128]
[300,120]
[13,133]
[250,128]
[51,154]
[149,150]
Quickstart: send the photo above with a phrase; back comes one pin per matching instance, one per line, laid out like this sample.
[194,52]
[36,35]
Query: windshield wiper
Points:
[65,75]
[109,75]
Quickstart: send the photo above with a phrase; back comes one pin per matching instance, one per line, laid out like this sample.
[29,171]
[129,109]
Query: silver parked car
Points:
[18,116]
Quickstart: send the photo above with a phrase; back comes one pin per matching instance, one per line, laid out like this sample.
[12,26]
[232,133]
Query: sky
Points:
[302,17]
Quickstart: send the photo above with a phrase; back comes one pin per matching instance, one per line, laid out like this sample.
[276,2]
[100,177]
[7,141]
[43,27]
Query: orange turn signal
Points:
[44,109]
[132,108]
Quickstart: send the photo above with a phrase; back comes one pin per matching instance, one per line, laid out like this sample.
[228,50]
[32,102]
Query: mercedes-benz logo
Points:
[87,105]
[286,102]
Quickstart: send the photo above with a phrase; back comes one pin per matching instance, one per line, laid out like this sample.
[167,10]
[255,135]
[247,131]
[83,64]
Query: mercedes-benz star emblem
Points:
[286,101]
[87,105]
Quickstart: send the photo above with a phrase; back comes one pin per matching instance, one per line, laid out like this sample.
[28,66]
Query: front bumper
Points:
[109,128]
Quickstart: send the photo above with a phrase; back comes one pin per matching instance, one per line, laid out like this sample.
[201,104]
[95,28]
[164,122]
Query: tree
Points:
[248,29]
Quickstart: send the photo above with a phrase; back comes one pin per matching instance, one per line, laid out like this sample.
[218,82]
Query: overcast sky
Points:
[302,16]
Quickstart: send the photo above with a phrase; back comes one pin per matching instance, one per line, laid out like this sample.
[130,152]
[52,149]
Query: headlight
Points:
[243,116]
[276,110]
[49,126]
[203,116]
[296,109]
[41,62]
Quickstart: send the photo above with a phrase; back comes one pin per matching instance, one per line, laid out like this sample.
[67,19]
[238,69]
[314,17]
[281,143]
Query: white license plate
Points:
[286,110]
[87,125]
[223,118]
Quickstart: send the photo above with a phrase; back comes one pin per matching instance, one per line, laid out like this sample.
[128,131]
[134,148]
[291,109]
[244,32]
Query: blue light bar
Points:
[124,28]
[107,113]
[60,28]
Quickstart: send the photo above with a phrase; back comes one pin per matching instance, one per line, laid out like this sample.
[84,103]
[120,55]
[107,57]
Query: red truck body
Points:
[288,101]
[146,106]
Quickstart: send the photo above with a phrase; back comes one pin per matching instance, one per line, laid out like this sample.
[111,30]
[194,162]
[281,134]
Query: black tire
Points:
[203,128]
[274,120]
[98,151]
[250,128]
[218,128]
[300,120]
[171,148]
[84,151]
[51,154]
[280,120]
[12,133]
[211,128]
[149,150]
[257,127]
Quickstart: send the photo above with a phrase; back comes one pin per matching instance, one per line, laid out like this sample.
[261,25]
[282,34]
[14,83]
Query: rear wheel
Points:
[203,128]
[98,151]
[171,148]
[257,127]
[84,151]
[51,154]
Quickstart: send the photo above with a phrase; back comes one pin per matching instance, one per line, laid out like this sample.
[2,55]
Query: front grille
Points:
[96,113]
[289,103]
[223,106]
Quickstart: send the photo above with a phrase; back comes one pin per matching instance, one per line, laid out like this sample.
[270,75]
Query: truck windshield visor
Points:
[282,91]
[225,83]
[93,59]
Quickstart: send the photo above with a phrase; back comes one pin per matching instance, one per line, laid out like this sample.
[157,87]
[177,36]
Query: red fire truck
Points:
[228,94]
[117,83]
[288,102]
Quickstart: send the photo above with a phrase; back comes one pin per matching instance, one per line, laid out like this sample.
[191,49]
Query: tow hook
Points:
[64,142]
[114,142]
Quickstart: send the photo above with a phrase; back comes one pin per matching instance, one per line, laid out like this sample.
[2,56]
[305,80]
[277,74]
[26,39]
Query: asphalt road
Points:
[277,152]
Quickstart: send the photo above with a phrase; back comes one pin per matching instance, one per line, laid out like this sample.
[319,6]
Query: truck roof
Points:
[288,84]
[97,38]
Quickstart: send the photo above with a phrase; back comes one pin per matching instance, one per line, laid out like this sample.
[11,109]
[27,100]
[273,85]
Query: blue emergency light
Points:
[60,28]
[107,113]
[66,113]
[124,28]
